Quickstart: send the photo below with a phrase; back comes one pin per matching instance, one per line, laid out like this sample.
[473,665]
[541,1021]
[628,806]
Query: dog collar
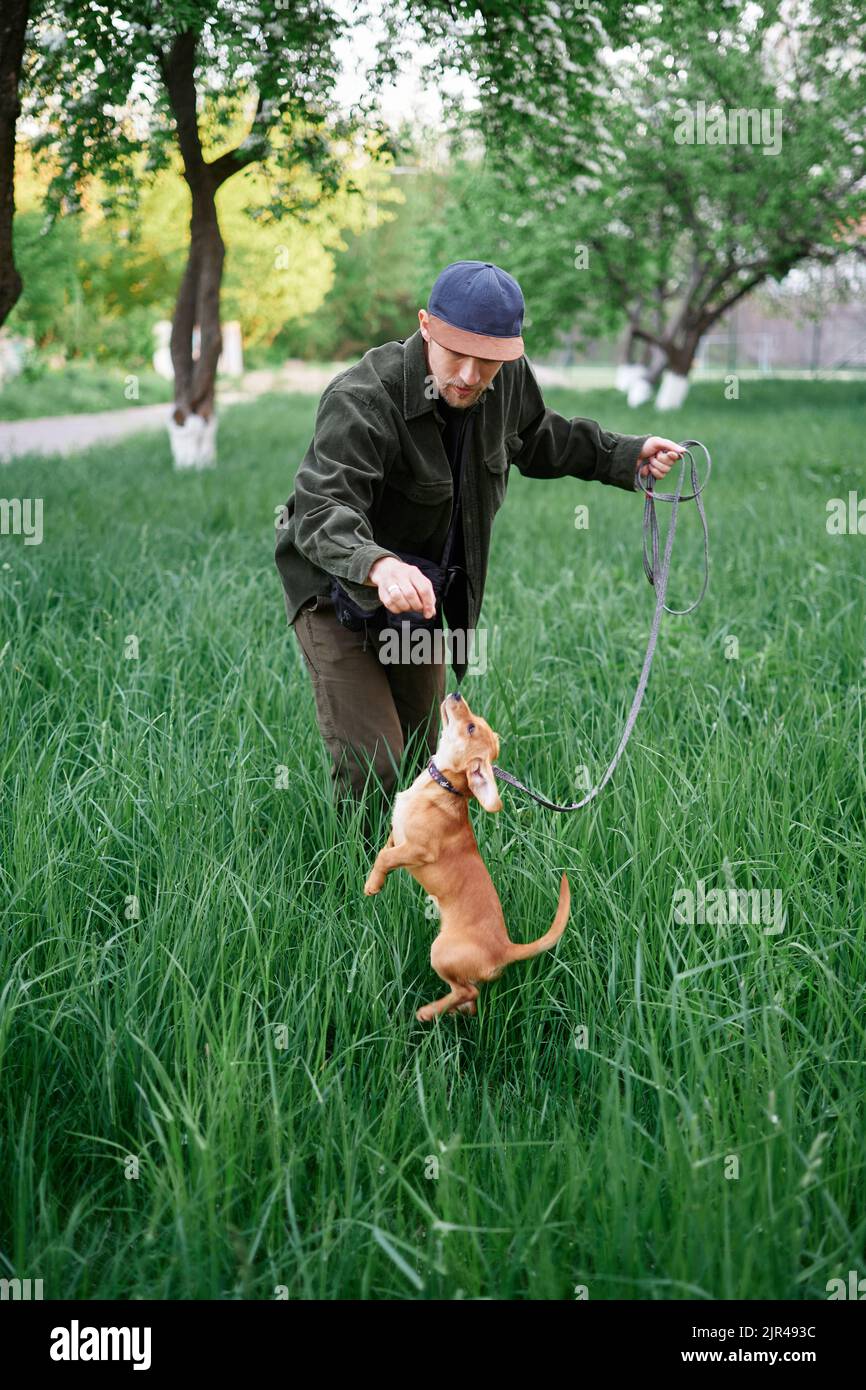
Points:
[442,779]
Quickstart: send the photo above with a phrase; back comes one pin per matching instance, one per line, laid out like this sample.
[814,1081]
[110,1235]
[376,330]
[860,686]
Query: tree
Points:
[664,215]
[195,75]
[13,25]
[94,284]
[766,168]
[532,67]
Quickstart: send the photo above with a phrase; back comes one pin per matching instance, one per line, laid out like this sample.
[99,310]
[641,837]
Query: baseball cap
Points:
[477,308]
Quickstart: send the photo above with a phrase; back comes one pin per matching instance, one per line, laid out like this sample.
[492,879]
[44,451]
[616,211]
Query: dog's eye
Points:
[470,728]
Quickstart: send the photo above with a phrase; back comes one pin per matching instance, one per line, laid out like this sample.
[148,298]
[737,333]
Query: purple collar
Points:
[442,779]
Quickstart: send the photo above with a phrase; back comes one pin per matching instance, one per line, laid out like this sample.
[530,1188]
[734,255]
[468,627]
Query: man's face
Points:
[460,380]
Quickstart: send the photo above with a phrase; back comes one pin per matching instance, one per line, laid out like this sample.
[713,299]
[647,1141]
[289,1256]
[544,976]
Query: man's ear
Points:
[482,784]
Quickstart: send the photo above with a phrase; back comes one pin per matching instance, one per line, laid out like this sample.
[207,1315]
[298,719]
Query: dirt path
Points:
[65,434]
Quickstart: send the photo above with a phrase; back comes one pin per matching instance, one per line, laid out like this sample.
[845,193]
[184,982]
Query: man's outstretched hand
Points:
[661,455]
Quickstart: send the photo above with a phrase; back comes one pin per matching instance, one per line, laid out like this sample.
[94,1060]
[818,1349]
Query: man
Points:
[414,423]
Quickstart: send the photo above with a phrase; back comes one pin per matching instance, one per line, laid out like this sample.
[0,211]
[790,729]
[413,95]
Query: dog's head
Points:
[468,744]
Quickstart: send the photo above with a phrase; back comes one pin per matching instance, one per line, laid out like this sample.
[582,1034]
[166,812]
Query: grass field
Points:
[227,1092]
[78,388]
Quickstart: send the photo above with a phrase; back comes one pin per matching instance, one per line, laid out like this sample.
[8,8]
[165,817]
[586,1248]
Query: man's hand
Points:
[402,588]
[662,455]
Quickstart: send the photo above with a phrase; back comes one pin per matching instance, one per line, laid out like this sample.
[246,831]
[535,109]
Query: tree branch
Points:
[246,153]
[653,338]
[709,316]
[178,73]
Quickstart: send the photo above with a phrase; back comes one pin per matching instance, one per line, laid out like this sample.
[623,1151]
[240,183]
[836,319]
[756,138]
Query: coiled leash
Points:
[658,575]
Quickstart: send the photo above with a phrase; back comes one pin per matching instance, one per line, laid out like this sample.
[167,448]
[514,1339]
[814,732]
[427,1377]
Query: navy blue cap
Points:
[476,309]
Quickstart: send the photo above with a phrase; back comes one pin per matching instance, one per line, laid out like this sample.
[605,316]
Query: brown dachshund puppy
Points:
[432,837]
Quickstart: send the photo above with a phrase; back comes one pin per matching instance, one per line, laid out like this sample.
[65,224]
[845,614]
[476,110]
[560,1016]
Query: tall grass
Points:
[78,388]
[212,1084]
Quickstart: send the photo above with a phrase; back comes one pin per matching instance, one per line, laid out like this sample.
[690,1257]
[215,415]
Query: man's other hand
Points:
[661,454]
[402,588]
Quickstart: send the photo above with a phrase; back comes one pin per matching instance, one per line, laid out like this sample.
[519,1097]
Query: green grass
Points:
[306,1157]
[79,388]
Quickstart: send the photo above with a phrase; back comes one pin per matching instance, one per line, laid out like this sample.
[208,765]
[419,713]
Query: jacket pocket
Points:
[418,491]
[496,465]
[497,461]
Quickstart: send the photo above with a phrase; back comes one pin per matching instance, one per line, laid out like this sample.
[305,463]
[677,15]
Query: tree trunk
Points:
[193,428]
[673,372]
[13,25]
[680,342]
[628,371]
[631,371]
[630,346]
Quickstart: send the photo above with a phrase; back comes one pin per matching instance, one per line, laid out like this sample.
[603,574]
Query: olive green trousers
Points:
[375,718]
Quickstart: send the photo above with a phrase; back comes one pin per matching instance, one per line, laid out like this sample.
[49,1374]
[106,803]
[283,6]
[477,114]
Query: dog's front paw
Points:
[374,884]
[426,1014]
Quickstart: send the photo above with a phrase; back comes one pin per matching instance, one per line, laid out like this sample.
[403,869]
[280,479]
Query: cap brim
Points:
[474,344]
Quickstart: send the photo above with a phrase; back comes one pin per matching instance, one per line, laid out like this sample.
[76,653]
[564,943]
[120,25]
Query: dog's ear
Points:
[482,784]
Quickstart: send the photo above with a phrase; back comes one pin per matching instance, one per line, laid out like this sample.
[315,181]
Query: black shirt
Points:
[453,439]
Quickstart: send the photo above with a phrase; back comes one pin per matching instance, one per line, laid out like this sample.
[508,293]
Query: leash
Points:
[658,575]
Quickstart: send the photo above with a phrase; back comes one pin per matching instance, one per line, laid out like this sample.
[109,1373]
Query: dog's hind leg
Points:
[462,997]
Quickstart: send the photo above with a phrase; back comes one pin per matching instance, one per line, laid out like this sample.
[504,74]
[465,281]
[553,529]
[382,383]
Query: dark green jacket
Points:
[376,478]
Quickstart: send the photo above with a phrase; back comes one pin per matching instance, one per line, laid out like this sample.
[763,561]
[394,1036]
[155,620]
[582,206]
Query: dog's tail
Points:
[550,938]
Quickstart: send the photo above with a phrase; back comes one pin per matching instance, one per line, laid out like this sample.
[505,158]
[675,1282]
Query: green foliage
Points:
[95,283]
[534,65]
[83,292]
[76,388]
[212,90]
[353,273]
[269,76]
[607,217]
[380,279]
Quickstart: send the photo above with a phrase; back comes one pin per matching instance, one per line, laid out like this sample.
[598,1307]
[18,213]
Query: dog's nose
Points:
[455,696]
